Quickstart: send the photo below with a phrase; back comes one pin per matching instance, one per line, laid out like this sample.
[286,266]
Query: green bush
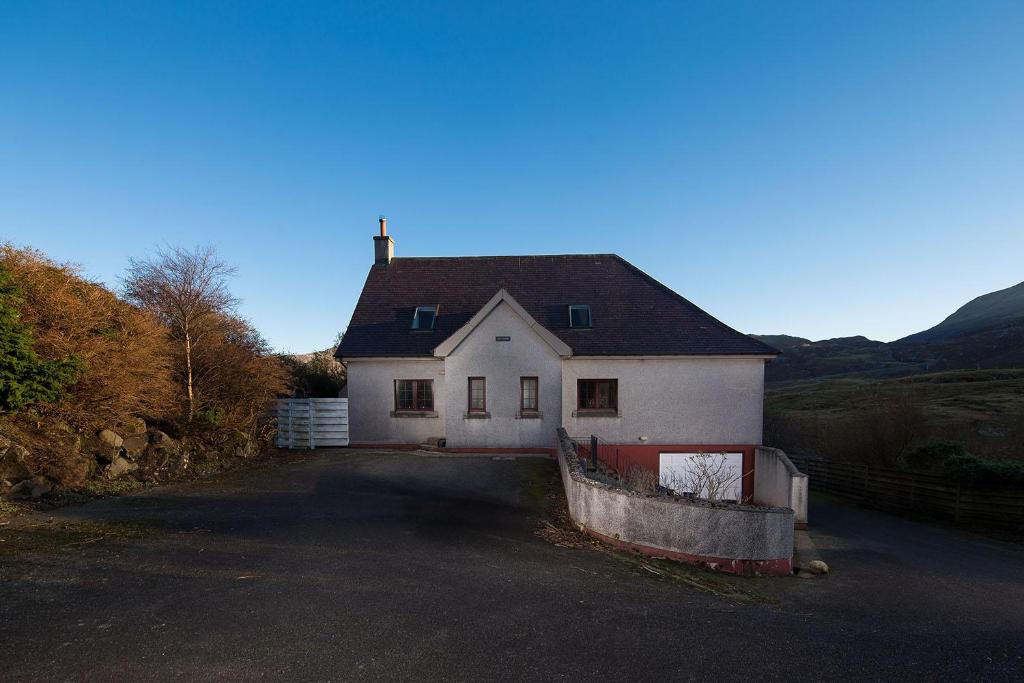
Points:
[24,377]
[934,455]
[319,377]
[971,470]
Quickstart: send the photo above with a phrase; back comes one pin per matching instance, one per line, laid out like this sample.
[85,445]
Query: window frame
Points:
[522,394]
[416,316]
[590,317]
[469,395]
[613,396]
[416,395]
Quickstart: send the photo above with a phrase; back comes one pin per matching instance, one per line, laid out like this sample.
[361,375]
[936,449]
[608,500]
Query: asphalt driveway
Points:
[374,565]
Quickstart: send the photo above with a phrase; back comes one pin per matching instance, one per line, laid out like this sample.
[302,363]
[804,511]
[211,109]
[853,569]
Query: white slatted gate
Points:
[312,422]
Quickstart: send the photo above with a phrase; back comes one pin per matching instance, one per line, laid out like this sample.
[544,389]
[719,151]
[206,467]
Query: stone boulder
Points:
[158,438]
[13,461]
[110,438]
[119,466]
[135,445]
[75,470]
[36,487]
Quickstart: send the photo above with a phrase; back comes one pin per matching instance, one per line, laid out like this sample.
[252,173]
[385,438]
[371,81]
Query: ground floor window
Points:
[477,395]
[597,394]
[528,394]
[414,394]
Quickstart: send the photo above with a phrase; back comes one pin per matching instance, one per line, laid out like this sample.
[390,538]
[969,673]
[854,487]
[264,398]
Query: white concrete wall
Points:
[778,482]
[672,400]
[502,363]
[729,536]
[371,393]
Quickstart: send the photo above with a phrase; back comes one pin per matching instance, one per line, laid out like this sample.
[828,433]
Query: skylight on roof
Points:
[424,318]
[579,315]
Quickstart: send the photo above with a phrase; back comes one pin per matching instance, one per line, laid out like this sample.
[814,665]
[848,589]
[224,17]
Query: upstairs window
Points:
[424,318]
[579,315]
[414,394]
[597,394]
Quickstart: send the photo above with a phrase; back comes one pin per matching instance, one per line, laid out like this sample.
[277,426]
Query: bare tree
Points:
[707,476]
[187,289]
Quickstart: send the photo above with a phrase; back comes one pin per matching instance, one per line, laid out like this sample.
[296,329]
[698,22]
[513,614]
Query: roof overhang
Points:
[689,356]
[446,347]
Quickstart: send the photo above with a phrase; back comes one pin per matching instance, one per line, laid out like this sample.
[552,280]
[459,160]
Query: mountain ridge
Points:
[986,332]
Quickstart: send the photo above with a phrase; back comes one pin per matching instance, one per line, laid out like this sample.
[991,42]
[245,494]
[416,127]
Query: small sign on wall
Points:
[503,339]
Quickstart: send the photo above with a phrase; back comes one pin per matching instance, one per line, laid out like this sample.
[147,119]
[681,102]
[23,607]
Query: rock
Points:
[130,426]
[158,438]
[817,567]
[77,469]
[105,456]
[13,460]
[36,487]
[134,445]
[119,466]
[109,438]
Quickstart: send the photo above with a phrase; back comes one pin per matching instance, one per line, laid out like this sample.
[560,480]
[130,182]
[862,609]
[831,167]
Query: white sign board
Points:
[679,471]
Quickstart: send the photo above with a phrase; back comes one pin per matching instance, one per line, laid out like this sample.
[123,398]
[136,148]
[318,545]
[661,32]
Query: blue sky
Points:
[818,168]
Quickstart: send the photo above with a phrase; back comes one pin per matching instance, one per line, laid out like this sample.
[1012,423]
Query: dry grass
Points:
[981,409]
[640,480]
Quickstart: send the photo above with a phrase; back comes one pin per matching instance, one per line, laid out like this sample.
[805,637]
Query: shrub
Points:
[123,352]
[934,455]
[640,480]
[319,377]
[971,470]
[236,377]
[24,377]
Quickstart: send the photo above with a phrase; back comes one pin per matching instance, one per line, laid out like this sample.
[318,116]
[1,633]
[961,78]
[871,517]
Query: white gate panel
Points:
[677,470]
[312,422]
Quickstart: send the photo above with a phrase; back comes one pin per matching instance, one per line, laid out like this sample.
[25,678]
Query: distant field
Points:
[981,409]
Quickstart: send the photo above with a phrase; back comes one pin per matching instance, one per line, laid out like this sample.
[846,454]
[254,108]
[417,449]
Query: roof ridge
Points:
[509,256]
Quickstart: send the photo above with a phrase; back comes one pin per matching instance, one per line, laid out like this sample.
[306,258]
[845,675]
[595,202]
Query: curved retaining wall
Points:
[738,539]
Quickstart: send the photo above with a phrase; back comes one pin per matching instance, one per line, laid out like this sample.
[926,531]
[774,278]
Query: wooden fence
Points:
[312,422]
[892,490]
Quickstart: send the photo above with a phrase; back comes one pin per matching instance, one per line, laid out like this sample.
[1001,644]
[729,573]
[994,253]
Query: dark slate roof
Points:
[633,314]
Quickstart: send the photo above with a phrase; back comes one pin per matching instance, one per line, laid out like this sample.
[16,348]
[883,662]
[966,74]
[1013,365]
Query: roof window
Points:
[424,318]
[579,315]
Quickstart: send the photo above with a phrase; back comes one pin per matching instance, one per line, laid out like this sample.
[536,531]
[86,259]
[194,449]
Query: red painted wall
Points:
[621,457]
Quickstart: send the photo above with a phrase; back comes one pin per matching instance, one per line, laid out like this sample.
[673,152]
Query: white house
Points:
[497,352]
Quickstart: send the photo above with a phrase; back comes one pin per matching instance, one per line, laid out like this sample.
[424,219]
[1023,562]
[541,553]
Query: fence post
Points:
[956,507]
[593,451]
[312,424]
[291,429]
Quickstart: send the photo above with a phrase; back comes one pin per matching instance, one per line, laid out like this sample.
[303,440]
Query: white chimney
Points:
[383,245]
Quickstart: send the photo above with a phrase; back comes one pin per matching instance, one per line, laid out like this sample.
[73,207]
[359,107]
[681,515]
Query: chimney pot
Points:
[383,226]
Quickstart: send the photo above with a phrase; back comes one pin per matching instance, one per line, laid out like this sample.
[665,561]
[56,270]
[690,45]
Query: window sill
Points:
[593,412]
[529,415]
[476,416]
[413,413]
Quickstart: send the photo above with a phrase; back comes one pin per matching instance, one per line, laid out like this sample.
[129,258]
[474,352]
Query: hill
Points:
[987,332]
[993,311]
[803,359]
